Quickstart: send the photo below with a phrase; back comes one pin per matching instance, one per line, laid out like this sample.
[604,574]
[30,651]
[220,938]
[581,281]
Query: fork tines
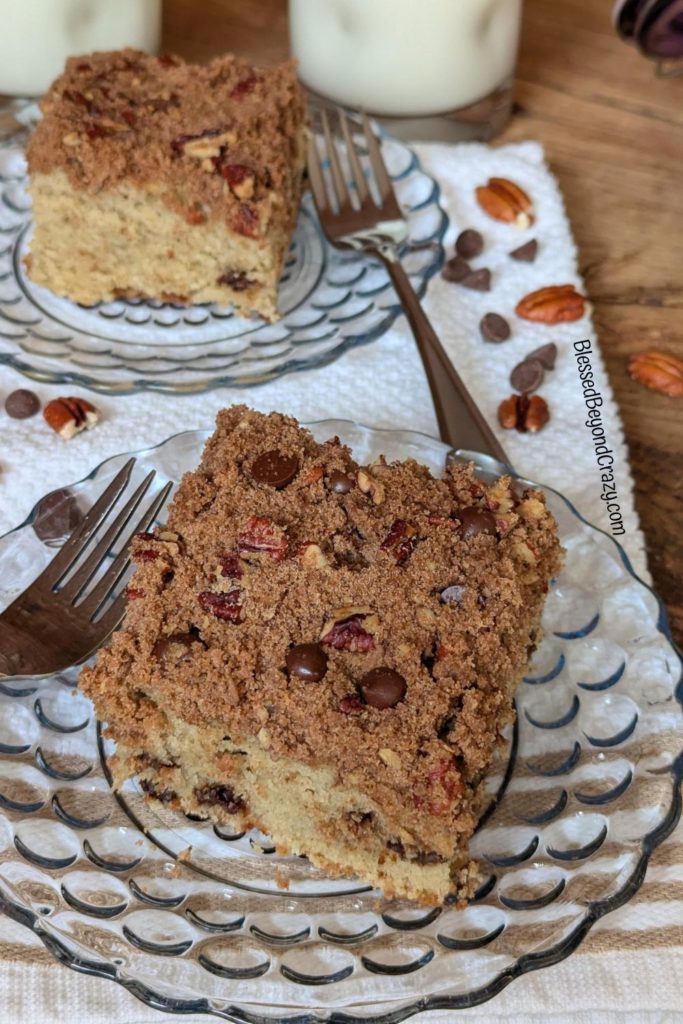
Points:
[349,187]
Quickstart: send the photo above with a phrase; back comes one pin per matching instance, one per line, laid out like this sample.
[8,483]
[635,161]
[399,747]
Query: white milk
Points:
[36,36]
[405,57]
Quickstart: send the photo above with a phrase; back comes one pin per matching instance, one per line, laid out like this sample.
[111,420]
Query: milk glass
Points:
[36,36]
[423,61]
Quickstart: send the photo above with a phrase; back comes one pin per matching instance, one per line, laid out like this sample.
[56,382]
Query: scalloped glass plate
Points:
[329,301]
[590,788]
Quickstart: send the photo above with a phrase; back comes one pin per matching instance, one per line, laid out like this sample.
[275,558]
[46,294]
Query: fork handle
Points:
[461,424]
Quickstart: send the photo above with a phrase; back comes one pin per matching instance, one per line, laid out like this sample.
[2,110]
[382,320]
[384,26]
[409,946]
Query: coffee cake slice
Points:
[154,178]
[328,652]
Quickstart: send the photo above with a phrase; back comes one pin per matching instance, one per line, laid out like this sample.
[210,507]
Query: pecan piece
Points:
[240,178]
[556,304]
[350,629]
[222,606]
[505,201]
[400,541]
[659,371]
[261,536]
[370,485]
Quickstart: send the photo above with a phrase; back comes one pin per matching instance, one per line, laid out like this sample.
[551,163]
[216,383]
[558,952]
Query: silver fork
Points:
[50,627]
[379,229]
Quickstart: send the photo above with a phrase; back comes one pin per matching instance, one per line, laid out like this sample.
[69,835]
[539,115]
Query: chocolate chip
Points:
[453,594]
[546,354]
[469,243]
[382,687]
[22,404]
[307,661]
[527,375]
[478,280]
[57,515]
[221,796]
[526,253]
[455,269]
[475,521]
[164,652]
[494,327]
[339,482]
[275,469]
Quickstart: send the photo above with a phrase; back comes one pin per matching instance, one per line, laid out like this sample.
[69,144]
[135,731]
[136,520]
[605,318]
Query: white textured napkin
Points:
[627,972]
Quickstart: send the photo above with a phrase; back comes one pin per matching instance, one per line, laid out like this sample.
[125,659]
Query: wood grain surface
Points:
[613,133]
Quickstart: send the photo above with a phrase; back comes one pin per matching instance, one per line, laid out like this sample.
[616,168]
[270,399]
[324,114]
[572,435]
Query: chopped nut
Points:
[370,485]
[522,551]
[390,758]
[351,628]
[425,617]
[71,139]
[263,737]
[532,508]
[311,556]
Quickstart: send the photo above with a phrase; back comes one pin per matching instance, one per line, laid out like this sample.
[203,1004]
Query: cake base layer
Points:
[126,242]
[305,810]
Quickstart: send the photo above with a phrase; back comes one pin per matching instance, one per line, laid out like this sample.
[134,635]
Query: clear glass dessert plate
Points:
[329,301]
[193,918]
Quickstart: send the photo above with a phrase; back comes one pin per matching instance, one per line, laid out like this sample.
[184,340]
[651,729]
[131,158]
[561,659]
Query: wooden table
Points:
[613,134]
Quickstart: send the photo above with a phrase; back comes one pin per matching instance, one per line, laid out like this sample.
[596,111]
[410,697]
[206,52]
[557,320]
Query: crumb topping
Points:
[371,618]
[215,141]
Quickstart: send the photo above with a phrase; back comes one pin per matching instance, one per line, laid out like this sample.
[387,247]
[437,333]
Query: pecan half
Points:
[525,413]
[505,201]
[69,416]
[659,371]
[552,305]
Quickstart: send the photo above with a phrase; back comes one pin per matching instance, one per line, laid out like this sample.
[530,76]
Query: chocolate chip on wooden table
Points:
[382,687]
[307,661]
[494,327]
[455,269]
[526,253]
[527,375]
[469,243]
[475,521]
[546,354]
[339,482]
[22,404]
[275,469]
[478,280]
[57,515]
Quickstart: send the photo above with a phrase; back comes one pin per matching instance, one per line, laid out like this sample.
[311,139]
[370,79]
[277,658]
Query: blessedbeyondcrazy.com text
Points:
[604,456]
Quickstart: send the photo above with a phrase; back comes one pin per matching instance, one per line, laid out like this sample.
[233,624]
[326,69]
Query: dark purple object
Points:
[659,29]
[625,15]
[656,26]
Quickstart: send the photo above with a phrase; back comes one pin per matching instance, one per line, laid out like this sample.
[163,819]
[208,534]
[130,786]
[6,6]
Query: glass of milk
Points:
[36,36]
[439,68]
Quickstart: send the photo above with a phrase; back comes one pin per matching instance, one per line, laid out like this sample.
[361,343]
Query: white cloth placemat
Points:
[629,968]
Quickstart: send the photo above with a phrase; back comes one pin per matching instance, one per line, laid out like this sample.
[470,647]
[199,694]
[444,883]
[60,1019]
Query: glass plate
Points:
[329,301]
[191,918]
